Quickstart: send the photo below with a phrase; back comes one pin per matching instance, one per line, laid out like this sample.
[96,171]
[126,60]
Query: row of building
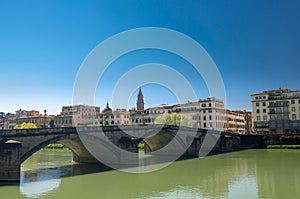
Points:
[274,111]
[207,114]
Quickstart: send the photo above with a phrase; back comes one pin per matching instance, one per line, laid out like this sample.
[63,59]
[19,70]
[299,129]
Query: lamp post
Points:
[45,113]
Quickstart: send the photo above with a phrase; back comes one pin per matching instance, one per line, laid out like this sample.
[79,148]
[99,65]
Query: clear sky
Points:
[254,43]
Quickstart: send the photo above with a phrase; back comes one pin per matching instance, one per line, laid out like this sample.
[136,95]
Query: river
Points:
[246,174]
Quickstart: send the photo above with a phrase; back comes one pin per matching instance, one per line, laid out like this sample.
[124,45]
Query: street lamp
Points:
[45,113]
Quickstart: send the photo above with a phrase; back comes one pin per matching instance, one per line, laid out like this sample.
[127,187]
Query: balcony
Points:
[278,105]
[279,113]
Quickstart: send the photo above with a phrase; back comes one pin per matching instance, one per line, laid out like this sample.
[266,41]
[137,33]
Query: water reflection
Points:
[246,174]
[37,183]
[42,173]
[38,174]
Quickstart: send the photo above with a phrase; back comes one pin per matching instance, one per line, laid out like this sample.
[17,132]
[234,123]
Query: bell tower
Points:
[140,101]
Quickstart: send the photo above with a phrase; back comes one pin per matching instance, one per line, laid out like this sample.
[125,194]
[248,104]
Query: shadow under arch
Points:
[163,138]
[80,154]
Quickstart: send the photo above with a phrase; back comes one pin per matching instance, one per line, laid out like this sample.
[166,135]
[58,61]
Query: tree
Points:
[51,123]
[174,119]
[24,125]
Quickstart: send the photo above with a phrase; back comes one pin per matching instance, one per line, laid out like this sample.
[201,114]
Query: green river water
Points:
[239,175]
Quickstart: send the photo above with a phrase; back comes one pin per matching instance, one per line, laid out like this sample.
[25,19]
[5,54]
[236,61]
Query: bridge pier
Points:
[10,160]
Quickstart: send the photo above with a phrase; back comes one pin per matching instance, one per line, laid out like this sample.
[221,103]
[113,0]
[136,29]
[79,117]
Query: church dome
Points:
[107,109]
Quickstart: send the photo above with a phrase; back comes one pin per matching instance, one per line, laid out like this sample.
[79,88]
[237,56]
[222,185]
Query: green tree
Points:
[174,119]
[24,125]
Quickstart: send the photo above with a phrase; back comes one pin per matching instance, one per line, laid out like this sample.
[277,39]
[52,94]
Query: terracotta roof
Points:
[262,93]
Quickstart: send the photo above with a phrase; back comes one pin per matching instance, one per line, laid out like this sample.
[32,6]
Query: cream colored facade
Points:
[276,111]
[208,113]
[122,117]
[235,122]
[77,115]
[108,117]
[243,121]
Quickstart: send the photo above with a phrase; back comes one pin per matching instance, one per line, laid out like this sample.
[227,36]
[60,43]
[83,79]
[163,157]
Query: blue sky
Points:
[255,45]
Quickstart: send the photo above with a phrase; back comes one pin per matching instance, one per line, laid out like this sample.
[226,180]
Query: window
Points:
[294,117]
[209,104]
[264,110]
[256,97]
[265,118]
[205,111]
[204,117]
[286,117]
[264,97]
[257,110]
[264,103]
[210,117]
[258,118]
[278,110]
[292,101]
[293,109]
[204,125]
[257,103]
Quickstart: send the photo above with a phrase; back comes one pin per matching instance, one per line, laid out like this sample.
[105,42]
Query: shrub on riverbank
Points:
[55,146]
[283,147]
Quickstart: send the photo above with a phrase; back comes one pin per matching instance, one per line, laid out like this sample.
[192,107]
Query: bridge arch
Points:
[80,153]
[163,138]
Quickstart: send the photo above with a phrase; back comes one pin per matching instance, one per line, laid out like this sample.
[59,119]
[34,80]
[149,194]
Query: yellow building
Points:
[276,111]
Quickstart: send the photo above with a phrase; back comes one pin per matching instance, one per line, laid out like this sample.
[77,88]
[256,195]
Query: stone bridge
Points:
[18,145]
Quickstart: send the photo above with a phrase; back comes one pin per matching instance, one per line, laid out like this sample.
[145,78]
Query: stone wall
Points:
[10,160]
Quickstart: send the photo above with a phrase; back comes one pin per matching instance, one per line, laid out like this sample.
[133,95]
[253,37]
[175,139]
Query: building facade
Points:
[206,114]
[235,122]
[276,111]
[77,115]
[41,121]
[246,117]
[108,117]
[23,116]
